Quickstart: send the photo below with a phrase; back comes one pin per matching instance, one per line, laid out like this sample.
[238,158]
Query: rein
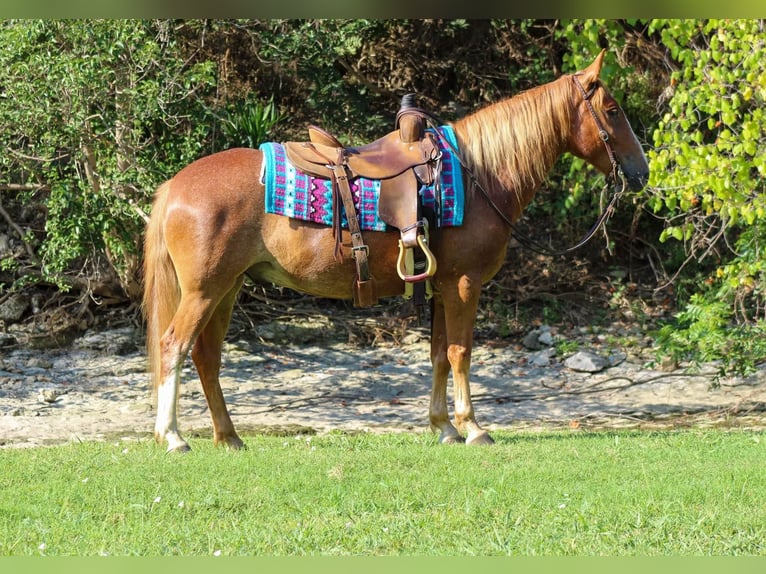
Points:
[526,241]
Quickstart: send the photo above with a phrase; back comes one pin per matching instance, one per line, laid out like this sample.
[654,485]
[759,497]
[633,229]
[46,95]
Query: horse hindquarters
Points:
[200,318]
[160,304]
[200,240]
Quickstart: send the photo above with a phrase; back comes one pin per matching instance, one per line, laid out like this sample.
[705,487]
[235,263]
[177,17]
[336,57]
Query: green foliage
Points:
[101,111]
[318,53]
[249,123]
[708,158]
[707,181]
[702,332]
[566,347]
[585,39]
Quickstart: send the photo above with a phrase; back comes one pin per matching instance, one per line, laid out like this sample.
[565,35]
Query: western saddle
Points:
[403,161]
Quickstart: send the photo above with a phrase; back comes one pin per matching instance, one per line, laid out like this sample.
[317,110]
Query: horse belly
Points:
[302,257]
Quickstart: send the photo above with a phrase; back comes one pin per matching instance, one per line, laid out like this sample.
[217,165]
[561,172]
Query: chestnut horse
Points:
[208,229]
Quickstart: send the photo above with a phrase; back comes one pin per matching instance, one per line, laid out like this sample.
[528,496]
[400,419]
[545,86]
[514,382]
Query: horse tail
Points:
[161,290]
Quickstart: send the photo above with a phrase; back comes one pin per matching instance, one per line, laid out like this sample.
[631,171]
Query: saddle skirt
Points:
[295,194]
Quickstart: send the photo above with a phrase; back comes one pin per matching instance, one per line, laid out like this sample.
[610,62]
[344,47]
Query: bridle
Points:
[524,240]
[602,134]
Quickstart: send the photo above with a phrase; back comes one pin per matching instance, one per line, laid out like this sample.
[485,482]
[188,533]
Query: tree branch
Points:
[19,232]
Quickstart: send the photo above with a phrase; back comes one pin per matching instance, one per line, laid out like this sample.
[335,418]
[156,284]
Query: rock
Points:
[38,364]
[616,357]
[12,310]
[414,337]
[546,338]
[46,335]
[542,358]
[530,340]
[586,362]
[668,364]
[48,395]
[117,341]
[267,332]
[537,339]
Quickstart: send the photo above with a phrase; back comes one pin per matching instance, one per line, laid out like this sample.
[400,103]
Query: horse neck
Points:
[512,145]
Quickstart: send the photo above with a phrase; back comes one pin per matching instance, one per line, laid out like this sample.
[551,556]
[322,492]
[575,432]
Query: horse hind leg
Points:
[206,355]
[191,315]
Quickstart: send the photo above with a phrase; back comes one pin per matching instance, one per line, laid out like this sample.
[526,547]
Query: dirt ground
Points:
[97,389]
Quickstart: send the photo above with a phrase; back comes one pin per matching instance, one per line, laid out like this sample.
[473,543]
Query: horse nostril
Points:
[639,181]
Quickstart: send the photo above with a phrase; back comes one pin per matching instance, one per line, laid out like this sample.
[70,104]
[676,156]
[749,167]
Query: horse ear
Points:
[591,73]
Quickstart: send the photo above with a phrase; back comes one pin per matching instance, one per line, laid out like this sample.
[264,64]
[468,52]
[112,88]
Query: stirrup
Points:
[409,288]
[401,268]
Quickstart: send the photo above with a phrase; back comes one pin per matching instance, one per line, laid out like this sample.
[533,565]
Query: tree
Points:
[708,172]
[96,114]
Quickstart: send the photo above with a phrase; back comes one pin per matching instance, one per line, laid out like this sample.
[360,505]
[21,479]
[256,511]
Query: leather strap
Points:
[360,250]
[365,293]
[602,133]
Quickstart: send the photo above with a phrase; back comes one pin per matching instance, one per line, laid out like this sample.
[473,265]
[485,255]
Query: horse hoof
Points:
[180,448]
[229,441]
[235,444]
[480,438]
[451,439]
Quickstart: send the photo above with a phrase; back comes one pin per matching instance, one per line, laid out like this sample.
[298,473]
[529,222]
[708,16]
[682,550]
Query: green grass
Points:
[567,493]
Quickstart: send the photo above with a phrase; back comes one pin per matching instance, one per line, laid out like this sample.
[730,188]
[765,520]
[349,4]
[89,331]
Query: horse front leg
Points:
[438,412]
[460,306]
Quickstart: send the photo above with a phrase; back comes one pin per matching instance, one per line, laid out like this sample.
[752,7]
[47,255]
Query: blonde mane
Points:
[511,145]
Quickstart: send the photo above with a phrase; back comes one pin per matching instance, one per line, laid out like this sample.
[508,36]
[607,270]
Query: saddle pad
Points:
[292,193]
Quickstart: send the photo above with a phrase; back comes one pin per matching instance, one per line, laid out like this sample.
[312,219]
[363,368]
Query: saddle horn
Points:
[410,120]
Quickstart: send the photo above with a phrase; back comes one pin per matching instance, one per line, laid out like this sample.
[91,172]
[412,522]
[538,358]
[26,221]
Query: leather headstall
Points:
[602,133]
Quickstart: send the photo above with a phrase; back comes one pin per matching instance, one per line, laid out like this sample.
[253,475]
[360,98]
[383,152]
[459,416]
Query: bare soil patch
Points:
[288,378]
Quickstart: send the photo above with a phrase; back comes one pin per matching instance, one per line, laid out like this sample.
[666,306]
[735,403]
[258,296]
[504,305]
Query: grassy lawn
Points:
[563,493]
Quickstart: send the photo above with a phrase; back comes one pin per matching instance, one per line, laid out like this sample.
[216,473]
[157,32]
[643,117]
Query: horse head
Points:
[601,132]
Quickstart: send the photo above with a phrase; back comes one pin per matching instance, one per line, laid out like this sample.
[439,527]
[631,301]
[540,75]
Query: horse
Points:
[208,230]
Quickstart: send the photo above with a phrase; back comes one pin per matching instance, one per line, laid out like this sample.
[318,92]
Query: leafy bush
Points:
[708,169]
[100,112]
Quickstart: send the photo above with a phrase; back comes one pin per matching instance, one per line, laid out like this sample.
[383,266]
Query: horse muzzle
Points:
[635,170]
[636,180]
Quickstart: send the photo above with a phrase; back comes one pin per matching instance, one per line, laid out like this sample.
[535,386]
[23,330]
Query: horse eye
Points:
[613,112]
